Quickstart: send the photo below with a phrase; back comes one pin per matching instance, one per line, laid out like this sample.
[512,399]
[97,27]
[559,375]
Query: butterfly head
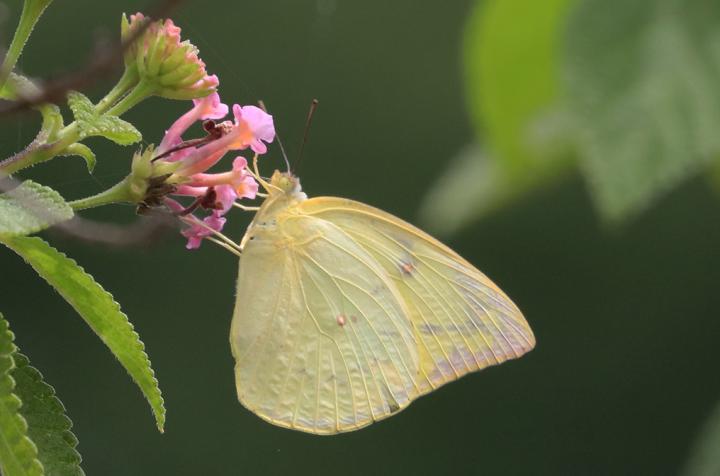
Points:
[287,184]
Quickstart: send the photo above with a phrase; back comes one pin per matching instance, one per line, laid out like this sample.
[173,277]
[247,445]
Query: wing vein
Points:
[357,357]
[487,313]
[388,254]
[357,336]
[335,280]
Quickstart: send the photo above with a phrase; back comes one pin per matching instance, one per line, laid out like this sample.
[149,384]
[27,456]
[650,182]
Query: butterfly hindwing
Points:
[461,320]
[320,334]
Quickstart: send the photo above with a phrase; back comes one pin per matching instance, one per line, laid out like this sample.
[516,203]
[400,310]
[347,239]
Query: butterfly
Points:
[345,314]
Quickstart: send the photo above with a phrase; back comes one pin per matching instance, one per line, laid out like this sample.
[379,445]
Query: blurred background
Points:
[567,148]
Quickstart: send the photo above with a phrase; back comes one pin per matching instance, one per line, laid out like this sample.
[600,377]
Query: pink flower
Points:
[186,164]
[257,126]
[252,126]
[223,189]
[225,196]
[208,107]
[196,232]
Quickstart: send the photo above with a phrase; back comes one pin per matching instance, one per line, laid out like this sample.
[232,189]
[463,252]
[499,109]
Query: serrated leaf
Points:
[83,151]
[31,207]
[99,310]
[18,454]
[48,425]
[643,84]
[105,125]
[704,456]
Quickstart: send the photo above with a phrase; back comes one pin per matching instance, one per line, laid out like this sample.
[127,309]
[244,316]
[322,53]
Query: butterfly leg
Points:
[245,207]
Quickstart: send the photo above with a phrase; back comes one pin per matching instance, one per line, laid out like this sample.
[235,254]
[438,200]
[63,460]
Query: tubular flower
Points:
[182,167]
[167,66]
[196,232]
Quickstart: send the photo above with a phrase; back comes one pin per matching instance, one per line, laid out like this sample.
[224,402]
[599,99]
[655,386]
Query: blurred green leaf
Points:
[643,82]
[31,207]
[48,425]
[511,74]
[18,454]
[99,310]
[92,124]
[705,454]
[511,78]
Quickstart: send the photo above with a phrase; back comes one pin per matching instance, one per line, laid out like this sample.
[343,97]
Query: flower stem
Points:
[44,152]
[118,193]
[140,92]
[125,83]
[32,9]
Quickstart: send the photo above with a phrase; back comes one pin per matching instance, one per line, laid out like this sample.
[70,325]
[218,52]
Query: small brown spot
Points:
[353,318]
[407,268]
[340,320]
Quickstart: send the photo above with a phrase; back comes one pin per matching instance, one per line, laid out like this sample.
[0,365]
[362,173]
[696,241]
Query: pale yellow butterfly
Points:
[345,314]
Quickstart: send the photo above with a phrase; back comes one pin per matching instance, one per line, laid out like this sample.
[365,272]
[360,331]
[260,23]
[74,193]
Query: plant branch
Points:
[56,90]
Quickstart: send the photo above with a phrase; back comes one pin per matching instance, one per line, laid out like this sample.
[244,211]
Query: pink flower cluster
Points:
[217,192]
[161,58]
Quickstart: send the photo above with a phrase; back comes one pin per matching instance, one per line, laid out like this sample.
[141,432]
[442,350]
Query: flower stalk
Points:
[119,193]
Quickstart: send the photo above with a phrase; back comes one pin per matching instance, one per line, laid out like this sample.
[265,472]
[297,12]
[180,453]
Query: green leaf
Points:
[511,76]
[643,81]
[83,151]
[92,124]
[18,454]
[98,308]
[704,456]
[511,83]
[48,425]
[31,207]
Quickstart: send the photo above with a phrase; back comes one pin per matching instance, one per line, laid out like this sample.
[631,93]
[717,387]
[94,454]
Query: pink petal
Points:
[248,188]
[210,107]
[215,221]
[239,163]
[259,121]
[258,147]
[226,196]
[196,232]
[190,191]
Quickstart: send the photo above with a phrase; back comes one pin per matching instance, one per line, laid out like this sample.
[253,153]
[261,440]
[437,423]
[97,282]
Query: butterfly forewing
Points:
[321,336]
[461,320]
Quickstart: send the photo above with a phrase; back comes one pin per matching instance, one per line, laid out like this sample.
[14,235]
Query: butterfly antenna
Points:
[261,103]
[308,122]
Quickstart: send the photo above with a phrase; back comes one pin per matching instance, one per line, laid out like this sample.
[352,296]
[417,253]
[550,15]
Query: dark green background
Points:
[625,370]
